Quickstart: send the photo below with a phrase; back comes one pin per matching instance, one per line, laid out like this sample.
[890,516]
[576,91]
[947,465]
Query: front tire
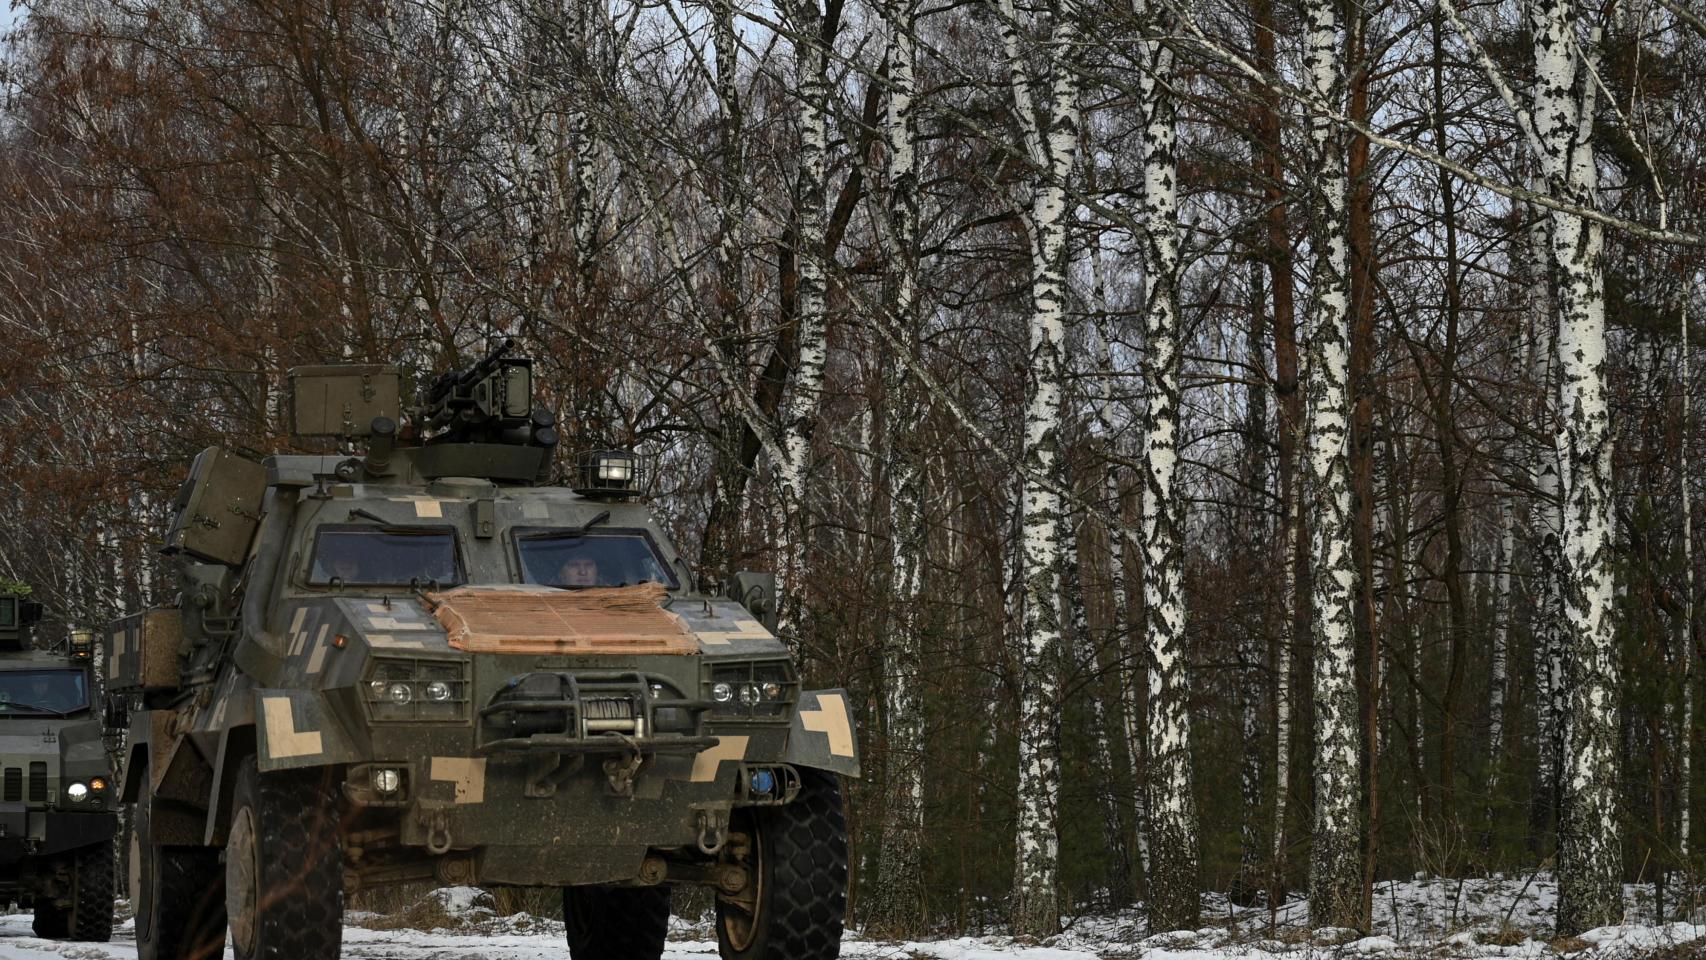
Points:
[179,895]
[284,867]
[798,855]
[91,918]
[616,923]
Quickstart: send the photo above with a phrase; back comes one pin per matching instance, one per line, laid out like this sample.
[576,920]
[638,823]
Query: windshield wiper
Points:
[572,532]
[34,708]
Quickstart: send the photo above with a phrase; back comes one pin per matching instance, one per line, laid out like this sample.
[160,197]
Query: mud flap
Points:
[823,736]
[294,729]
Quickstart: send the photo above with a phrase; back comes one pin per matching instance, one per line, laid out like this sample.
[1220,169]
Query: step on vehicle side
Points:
[425,662]
[57,812]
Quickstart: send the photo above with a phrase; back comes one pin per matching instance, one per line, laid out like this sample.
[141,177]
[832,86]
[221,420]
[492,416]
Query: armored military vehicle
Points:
[57,812]
[420,659]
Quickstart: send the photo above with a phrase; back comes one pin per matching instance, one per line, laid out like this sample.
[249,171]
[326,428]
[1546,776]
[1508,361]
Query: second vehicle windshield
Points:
[567,558]
[43,691]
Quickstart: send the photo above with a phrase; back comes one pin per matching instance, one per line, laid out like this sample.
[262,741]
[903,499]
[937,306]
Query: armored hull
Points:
[426,664]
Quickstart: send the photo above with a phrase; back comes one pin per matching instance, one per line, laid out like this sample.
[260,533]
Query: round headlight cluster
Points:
[78,791]
[748,694]
[402,693]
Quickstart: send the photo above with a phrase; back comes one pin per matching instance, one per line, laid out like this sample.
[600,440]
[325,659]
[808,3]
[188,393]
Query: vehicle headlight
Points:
[78,791]
[763,689]
[399,689]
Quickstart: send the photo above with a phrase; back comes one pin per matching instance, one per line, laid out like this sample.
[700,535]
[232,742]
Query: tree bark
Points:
[1174,900]
[1335,882]
[1590,892]
[897,900]
[799,415]
[1051,140]
[1290,550]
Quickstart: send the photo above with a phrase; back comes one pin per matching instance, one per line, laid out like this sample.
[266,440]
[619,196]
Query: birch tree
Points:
[897,902]
[1590,891]
[1335,877]
[1049,130]
[1173,884]
[1685,645]
[809,30]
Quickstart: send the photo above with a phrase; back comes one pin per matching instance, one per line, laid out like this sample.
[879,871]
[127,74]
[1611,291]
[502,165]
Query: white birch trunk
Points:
[1173,895]
[1335,881]
[897,900]
[1051,142]
[1282,687]
[1685,737]
[1590,892]
[805,19]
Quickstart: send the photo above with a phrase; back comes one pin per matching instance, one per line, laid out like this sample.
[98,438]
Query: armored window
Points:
[571,558]
[43,692]
[384,556]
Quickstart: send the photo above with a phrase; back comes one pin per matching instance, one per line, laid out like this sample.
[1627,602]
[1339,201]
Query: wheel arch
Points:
[235,745]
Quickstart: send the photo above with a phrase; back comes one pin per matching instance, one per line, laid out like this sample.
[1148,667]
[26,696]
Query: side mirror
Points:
[756,592]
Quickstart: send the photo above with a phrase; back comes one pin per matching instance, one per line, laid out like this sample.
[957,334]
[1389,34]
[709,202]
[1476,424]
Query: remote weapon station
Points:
[423,661]
[57,817]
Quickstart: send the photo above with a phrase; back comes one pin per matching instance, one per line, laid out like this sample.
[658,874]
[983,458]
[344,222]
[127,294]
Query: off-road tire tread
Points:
[806,891]
[49,921]
[301,860]
[191,901]
[91,919]
[616,923]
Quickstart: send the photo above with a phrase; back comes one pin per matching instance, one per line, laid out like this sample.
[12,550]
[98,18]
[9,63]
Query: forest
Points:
[1241,445]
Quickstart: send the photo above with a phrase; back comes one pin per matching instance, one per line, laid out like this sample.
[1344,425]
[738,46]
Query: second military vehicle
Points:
[420,660]
[57,817]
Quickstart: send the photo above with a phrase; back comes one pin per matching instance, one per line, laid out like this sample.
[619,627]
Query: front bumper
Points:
[529,820]
[26,831]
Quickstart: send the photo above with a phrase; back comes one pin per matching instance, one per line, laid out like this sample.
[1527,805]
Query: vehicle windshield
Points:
[608,558]
[384,556]
[43,691]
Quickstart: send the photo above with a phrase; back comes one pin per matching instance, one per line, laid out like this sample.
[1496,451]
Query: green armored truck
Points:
[423,659]
[57,817]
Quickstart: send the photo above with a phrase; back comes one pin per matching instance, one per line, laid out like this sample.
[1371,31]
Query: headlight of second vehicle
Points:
[416,689]
[761,689]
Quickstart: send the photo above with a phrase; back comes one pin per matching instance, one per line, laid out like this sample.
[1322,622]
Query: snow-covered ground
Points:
[1435,919]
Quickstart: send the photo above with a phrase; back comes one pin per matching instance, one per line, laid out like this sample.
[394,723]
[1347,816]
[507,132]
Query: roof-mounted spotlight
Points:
[609,474]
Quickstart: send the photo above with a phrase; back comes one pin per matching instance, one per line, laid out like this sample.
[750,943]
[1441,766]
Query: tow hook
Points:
[437,831]
[713,832]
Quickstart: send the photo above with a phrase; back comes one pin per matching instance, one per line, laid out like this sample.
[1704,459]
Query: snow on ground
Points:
[1413,920]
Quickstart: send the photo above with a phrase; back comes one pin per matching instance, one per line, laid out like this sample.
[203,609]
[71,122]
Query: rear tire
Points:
[91,918]
[616,923]
[284,884]
[179,892]
[51,921]
[801,901]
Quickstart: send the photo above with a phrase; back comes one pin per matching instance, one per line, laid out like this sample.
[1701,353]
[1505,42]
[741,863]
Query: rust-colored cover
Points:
[597,620]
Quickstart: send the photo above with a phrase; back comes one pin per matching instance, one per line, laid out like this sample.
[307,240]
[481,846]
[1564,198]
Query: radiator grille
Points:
[38,782]
[13,789]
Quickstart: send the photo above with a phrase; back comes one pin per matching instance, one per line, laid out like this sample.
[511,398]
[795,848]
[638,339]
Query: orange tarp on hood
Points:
[596,620]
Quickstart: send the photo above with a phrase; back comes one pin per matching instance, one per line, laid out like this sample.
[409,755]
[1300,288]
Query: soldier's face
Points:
[580,572]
